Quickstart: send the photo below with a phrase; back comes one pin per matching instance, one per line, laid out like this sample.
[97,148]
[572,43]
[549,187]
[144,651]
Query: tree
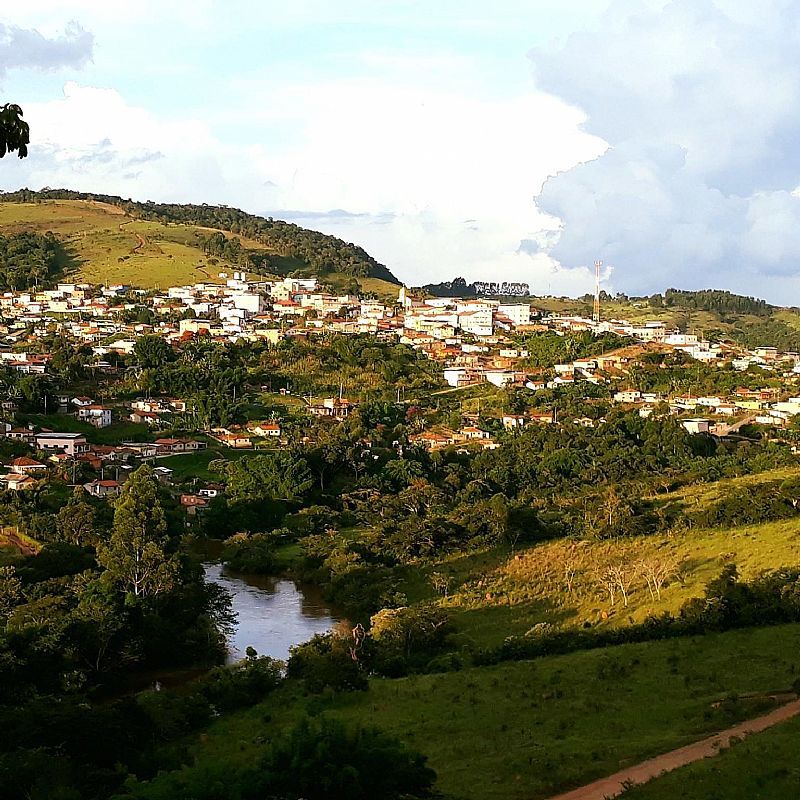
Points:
[324,760]
[152,351]
[408,630]
[14,131]
[75,521]
[10,590]
[657,571]
[135,558]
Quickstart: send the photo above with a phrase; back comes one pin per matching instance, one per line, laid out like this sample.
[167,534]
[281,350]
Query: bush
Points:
[408,638]
[253,553]
[326,661]
[324,760]
[244,683]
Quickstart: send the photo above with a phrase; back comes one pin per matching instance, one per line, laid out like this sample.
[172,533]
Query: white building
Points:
[696,425]
[99,416]
[518,313]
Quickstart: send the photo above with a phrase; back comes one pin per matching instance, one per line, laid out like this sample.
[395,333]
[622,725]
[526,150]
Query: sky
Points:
[517,140]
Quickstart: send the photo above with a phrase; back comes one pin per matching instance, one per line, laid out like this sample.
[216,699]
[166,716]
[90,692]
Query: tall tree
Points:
[75,521]
[135,558]
[14,131]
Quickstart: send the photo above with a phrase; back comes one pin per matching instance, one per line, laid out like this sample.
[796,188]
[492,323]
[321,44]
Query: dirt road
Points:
[615,784]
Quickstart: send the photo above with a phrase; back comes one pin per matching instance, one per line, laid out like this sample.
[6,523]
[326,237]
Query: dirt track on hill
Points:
[614,785]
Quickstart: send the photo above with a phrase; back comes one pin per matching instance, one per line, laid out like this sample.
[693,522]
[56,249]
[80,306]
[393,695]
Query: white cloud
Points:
[699,102]
[414,164]
[28,48]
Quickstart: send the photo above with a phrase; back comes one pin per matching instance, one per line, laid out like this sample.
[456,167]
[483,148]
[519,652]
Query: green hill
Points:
[113,240]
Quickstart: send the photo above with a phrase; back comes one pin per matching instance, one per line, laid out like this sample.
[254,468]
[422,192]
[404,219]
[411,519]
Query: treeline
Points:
[716,300]
[30,259]
[773,332]
[102,600]
[676,372]
[320,252]
[458,287]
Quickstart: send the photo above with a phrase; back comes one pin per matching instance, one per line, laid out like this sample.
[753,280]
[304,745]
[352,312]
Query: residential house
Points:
[696,425]
[333,407]
[193,503]
[239,441]
[28,466]
[16,482]
[471,432]
[514,421]
[81,402]
[103,488]
[431,440]
[266,429]
[99,416]
[70,443]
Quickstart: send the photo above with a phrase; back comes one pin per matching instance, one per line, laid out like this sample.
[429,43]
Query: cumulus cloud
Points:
[28,48]
[432,183]
[699,102]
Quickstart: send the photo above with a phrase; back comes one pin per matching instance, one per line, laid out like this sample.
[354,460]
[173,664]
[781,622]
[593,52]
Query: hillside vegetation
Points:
[149,244]
[529,729]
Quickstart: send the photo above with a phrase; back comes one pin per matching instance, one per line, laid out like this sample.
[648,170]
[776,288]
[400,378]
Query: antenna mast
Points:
[596,311]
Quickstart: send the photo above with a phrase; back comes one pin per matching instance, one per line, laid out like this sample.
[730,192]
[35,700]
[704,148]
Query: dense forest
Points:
[772,332]
[320,252]
[30,259]
[716,300]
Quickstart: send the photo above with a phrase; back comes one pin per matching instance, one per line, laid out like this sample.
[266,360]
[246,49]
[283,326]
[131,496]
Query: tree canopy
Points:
[14,131]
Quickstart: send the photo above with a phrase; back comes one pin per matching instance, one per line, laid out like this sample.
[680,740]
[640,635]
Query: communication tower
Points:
[598,265]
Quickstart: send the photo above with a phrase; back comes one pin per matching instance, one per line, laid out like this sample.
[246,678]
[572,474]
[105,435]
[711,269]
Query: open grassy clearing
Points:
[116,433]
[495,594]
[186,466]
[695,321]
[762,767]
[111,247]
[530,729]
[700,496]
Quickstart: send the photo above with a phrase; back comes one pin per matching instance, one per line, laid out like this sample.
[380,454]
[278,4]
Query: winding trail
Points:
[614,785]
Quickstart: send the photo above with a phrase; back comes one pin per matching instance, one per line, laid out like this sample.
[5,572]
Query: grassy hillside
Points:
[526,730]
[495,593]
[110,246]
[263,243]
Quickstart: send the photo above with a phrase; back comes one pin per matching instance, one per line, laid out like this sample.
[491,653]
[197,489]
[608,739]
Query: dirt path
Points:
[615,784]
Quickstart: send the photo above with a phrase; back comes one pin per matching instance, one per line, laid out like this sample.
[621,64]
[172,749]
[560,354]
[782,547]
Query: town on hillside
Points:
[468,343]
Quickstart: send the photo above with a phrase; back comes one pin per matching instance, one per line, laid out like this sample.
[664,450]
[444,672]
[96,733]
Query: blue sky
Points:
[516,139]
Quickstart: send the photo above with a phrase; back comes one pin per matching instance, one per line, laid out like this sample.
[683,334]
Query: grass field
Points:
[526,730]
[116,433]
[496,593]
[498,596]
[186,466]
[699,322]
[762,767]
[110,247]
[113,248]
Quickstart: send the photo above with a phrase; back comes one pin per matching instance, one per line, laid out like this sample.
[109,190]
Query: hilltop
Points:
[113,240]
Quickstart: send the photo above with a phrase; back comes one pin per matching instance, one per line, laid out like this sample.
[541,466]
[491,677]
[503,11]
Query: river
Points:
[273,614]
